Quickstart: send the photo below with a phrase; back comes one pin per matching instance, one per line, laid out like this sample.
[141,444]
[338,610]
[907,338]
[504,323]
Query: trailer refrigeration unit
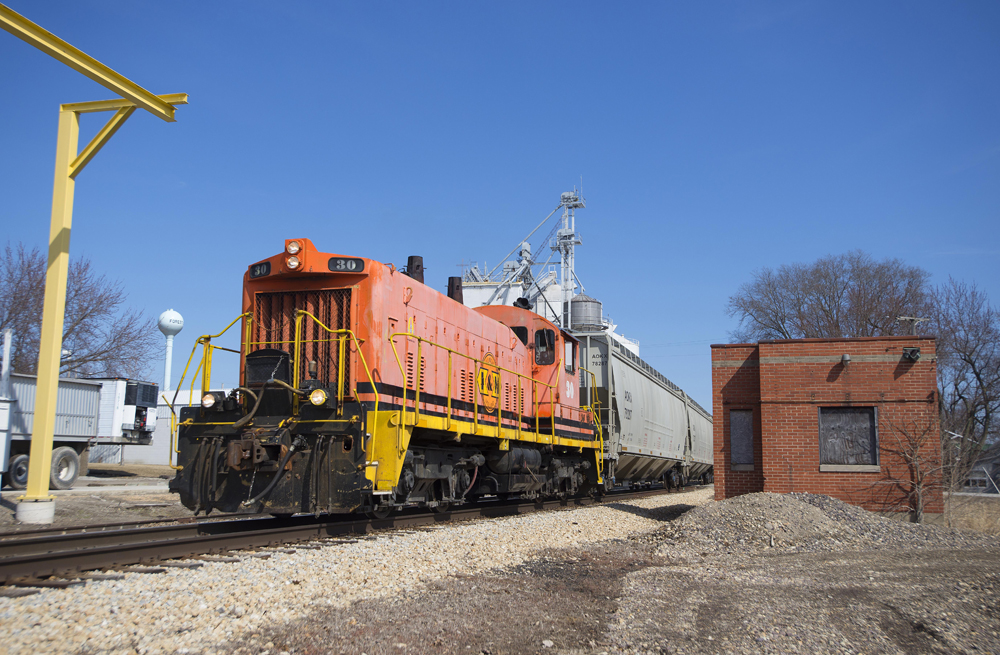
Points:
[89,412]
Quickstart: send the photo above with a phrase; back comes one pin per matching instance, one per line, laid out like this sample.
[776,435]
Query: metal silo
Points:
[586,313]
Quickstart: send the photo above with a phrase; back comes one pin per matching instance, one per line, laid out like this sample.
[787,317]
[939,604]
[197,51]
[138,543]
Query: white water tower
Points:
[170,324]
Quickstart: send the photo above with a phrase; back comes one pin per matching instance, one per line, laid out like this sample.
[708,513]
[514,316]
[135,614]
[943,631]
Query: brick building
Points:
[827,416]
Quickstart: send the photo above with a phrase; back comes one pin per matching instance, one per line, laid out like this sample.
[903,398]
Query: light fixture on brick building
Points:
[911,354]
[845,359]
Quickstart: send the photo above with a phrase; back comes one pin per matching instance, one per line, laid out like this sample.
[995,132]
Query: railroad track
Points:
[28,558]
[106,527]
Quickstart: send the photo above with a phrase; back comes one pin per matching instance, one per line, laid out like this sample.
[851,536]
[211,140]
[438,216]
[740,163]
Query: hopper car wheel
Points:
[65,468]
[17,472]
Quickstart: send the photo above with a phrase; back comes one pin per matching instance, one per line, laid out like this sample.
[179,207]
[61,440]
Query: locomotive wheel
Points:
[379,512]
[373,511]
[442,507]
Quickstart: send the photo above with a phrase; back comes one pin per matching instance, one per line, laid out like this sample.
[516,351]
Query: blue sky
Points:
[713,139]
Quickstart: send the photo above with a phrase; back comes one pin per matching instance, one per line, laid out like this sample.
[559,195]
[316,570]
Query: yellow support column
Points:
[36,505]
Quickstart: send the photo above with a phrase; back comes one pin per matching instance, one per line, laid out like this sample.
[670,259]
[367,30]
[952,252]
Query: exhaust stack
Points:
[415,267]
[455,290]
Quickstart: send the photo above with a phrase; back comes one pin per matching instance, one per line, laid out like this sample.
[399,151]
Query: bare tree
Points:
[21,299]
[103,337]
[849,295]
[968,348]
[917,445]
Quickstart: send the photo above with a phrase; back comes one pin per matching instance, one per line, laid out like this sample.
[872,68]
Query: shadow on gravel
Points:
[666,514]
[109,473]
[564,597]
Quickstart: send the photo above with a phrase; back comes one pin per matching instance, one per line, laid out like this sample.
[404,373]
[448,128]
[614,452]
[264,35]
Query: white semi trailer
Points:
[89,412]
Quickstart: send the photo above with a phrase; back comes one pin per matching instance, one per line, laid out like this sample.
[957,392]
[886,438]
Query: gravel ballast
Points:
[673,573]
[202,609]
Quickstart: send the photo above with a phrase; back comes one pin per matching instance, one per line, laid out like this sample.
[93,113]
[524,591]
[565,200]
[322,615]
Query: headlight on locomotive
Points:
[293,248]
[318,397]
[292,262]
[213,399]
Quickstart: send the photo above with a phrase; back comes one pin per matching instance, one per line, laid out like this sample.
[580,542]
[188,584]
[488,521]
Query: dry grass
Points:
[974,513]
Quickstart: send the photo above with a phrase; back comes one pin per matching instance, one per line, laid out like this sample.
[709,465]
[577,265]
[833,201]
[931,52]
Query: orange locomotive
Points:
[362,388]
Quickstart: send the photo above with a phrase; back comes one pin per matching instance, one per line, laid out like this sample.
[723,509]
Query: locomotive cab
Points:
[553,353]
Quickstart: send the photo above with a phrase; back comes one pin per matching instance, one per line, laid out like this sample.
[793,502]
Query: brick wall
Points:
[735,385]
[787,382]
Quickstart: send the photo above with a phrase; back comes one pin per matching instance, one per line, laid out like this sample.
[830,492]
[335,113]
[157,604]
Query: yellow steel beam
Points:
[54,309]
[69,164]
[119,103]
[99,140]
[75,58]
[124,108]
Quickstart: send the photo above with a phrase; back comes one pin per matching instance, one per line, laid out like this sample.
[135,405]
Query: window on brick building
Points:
[848,436]
[741,439]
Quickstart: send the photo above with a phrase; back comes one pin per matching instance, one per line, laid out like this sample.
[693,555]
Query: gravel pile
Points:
[201,610]
[802,573]
[801,522]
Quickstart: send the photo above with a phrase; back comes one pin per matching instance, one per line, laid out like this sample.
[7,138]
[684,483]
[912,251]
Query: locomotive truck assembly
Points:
[362,389]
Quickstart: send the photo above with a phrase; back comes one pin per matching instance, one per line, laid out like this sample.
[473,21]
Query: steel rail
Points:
[38,556]
[107,527]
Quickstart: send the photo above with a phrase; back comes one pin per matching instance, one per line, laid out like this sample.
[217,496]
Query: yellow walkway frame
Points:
[69,164]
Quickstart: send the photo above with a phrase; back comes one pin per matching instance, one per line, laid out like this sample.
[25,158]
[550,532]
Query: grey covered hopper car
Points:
[653,431]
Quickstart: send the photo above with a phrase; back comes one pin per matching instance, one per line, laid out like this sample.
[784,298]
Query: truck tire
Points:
[65,468]
[17,472]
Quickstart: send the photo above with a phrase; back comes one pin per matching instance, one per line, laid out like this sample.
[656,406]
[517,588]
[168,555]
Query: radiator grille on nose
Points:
[274,327]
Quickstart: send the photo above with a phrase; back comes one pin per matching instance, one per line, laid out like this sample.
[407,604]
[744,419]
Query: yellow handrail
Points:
[205,366]
[205,341]
[173,427]
[594,409]
[300,315]
[475,396]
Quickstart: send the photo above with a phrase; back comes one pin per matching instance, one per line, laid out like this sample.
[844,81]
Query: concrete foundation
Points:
[35,511]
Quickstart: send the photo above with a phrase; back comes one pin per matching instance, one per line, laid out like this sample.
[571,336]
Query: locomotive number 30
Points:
[346,265]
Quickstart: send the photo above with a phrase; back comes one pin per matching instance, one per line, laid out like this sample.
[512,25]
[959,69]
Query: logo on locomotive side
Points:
[488,381]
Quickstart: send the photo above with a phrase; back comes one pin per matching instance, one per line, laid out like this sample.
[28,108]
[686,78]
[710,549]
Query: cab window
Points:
[522,333]
[545,347]
[570,357]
